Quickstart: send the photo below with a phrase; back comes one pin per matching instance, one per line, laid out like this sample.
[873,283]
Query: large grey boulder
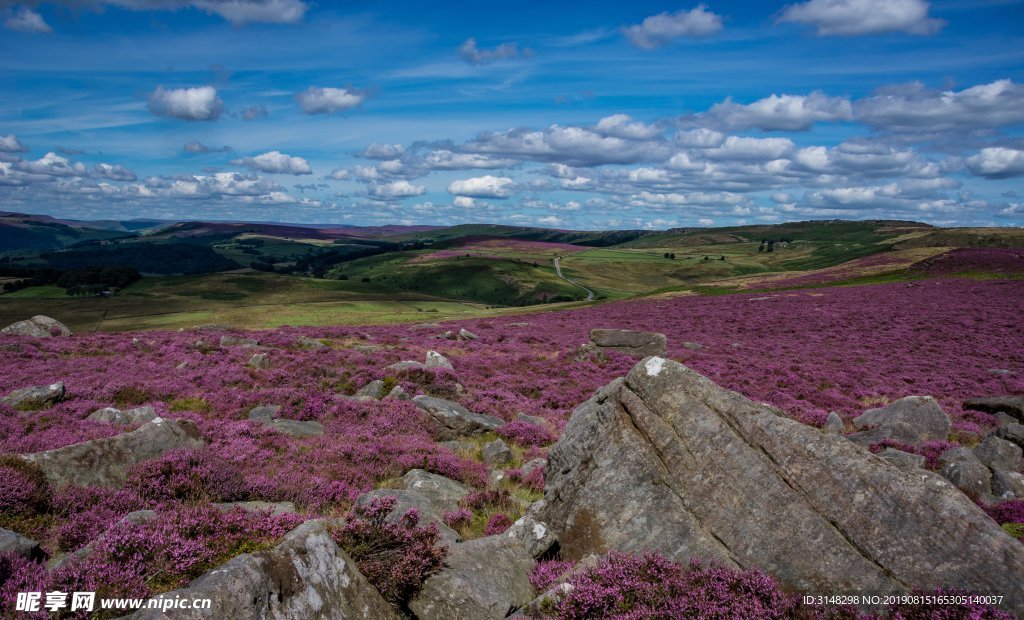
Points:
[299,429]
[1007,484]
[264,413]
[39,326]
[406,366]
[409,499]
[1013,433]
[962,468]
[998,453]
[305,576]
[238,341]
[105,461]
[260,361]
[35,397]
[113,415]
[1012,405]
[534,536]
[637,344]
[443,493]
[436,360]
[13,542]
[374,389]
[453,420]
[834,424]
[912,419]
[483,579]
[305,342]
[497,453]
[666,460]
[397,393]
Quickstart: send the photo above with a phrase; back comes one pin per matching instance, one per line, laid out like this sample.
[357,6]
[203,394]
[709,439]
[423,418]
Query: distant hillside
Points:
[19,231]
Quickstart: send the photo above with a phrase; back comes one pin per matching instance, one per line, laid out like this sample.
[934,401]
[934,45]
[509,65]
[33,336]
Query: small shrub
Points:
[497,524]
[1007,512]
[192,403]
[395,557]
[547,572]
[131,395]
[24,490]
[496,498]
[1015,529]
[525,434]
[457,518]
[189,475]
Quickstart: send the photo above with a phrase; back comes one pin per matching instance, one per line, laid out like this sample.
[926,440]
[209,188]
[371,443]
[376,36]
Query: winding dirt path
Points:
[558,272]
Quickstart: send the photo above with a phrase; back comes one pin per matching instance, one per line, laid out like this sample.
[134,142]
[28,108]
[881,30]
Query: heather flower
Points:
[1011,511]
[23,487]
[525,434]
[190,475]
[547,572]
[457,518]
[497,524]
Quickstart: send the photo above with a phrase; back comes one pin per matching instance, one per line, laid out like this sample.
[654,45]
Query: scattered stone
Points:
[637,344]
[297,428]
[13,542]
[663,459]
[497,453]
[1007,484]
[305,342]
[1003,419]
[306,576]
[448,335]
[999,454]
[962,468]
[184,365]
[264,413]
[274,508]
[1013,433]
[39,326]
[519,324]
[35,397]
[406,500]
[374,389]
[1000,371]
[105,461]
[529,466]
[834,424]
[112,415]
[1012,405]
[436,360]
[442,493]
[465,334]
[453,420]
[912,419]
[458,446]
[397,393]
[483,579]
[693,346]
[260,361]
[536,420]
[406,366]
[903,460]
[534,536]
[238,341]
[425,326]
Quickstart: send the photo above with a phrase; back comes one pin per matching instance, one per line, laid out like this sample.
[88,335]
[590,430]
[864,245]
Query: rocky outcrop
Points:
[105,461]
[260,361]
[1011,405]
[113,415]
[833,424]
[35,397]
[299,429]
[306,576]
[901,459]
[482,579]
[374,390]
[436,360]
[397,393]
[497,453]
[406,500]
[666,460]
[453,420]
[264,413]
[1013,433]
[637,344]
[912,419]
[238,341]
[443,493]
[998,453]
[305,342]
[39,326]
[13,542]
[962,468]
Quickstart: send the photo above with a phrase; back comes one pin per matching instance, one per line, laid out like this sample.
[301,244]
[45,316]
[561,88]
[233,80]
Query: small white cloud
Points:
[275,162]
[622,126]
[482,187]
[196,146]
[659,30]
[395,190]
[470,53]
[11,144]
[339,174]
[240,12]
[24,19]
[778,112]
[997,163]
[114,172]
[860,17]
[447,160]
[315,100]
[464,201]
[706,221]
[54,165]
[383,151]
[189,104]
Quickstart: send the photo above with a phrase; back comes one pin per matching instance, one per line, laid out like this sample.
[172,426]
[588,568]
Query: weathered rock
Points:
[833,424]
[484,578]
[238,341]
[112,415]
[1011,404]
[529,466]
[968,475]
[105,461]
[912,419]
[406,366]
[536,420]
[39,326]
[275,508]
[458,446]
[534,536]
[901,459]
[260,361]
[397,393]
[693,346]
[264,413]
[436,360]
[448,335]
[407,499]
[1007,484]
[13,542]
[306,576]
[442,493]
[374,389]
[497,453]
[1013,433]
[637,344]
[35,397]
[453,420]
[465,334]
[666,460]
[305,342]
[297,428]
[998,453]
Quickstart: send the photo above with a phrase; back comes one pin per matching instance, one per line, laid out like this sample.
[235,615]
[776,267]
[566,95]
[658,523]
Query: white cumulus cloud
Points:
[24,19]
[658,30]
[114,172]
[275,162]
[860,17]
[316,100]
[997,163]
[778,112]
[11,144]
[395,190]
[482,187]
[189,104]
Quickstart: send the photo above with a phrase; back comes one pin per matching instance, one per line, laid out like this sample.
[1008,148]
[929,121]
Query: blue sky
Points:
[564,115]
